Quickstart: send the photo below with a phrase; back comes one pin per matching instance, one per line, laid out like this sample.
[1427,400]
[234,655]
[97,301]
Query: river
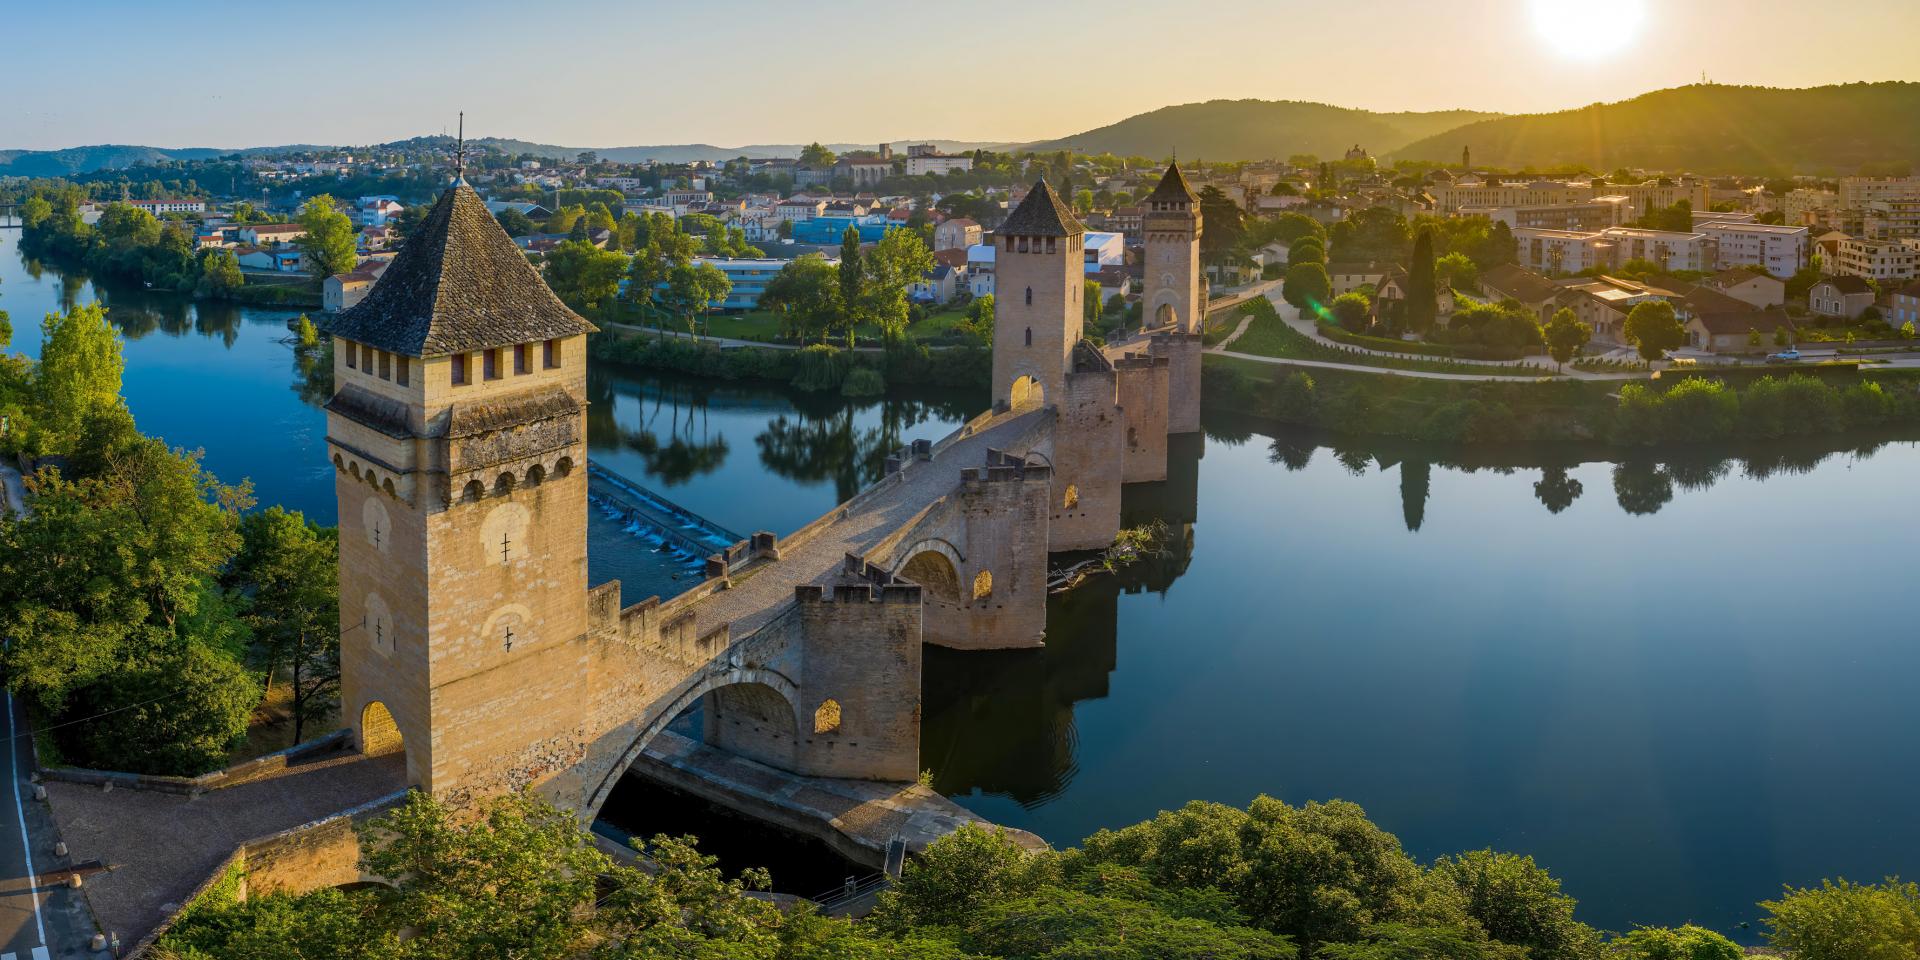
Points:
[1689,685]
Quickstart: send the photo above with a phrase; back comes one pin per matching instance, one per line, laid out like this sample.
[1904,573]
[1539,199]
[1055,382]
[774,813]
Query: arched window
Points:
[1029,336]
[1029,296]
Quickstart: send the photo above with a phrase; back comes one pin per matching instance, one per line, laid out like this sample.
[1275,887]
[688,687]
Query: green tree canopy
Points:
[330,240]
[1654,328]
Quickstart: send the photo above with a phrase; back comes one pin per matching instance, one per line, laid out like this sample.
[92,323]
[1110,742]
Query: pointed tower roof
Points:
[459,284]
[1042,214]
[1173,187]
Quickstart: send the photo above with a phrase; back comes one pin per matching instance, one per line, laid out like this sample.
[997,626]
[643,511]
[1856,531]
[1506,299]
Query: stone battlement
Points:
[1140,361]
[898,592]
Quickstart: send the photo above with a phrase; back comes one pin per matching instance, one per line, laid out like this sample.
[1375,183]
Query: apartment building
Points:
[1779,250]
[1598,213]
[1881,261]
[1560,252]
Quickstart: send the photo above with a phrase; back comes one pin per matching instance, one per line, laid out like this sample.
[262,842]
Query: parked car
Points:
[1784,356]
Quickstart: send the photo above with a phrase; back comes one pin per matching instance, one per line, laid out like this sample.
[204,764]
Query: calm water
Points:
[1690,685]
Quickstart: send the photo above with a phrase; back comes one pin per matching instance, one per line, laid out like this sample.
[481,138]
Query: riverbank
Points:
[1691,407]
[819,368]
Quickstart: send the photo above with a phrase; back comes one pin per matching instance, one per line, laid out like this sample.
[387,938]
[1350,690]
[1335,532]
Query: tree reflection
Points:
[1555,490]
[1416,481]
[1642,487]
[830,446]
[1292,453]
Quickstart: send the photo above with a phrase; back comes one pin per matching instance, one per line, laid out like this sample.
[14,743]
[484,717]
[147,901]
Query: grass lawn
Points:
[1269,336]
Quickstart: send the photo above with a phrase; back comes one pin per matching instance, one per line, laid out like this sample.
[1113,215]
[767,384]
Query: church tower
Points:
[457,435]
[1039,275]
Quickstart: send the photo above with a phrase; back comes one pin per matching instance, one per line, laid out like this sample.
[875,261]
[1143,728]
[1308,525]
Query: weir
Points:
[690,534]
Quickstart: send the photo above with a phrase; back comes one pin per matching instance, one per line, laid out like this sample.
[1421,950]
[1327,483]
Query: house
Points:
[1511,282]
[956,234]
[1906,306]
[1348,277]
[980,270]
[1844,296]
[937,287]
[799,208]
[274,260]
[924,159]
[527,208]
[1722,324]
[375,238]
[163,207]
[1759,289]
[1602,303]
[376,211]
[268,234]
[343,290]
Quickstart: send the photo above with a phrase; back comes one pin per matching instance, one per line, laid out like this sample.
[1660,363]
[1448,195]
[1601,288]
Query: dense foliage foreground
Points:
[518,878]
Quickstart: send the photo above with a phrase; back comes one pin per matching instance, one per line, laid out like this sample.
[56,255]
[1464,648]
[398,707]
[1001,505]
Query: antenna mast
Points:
[460,150]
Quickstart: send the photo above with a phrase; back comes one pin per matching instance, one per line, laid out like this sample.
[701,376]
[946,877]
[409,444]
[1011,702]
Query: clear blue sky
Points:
[732,72]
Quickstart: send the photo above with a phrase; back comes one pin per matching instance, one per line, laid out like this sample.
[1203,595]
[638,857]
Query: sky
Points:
[598,73]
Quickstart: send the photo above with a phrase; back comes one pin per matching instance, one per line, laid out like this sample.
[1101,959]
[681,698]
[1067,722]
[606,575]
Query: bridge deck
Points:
[764,591]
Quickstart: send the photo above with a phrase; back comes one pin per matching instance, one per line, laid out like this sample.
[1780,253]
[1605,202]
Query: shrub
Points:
[864,382]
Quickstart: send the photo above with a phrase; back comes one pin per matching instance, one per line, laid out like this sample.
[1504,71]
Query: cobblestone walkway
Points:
[158,847]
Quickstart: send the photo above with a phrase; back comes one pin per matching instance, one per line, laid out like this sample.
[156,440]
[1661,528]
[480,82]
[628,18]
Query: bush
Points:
[1293,400]
[864,382]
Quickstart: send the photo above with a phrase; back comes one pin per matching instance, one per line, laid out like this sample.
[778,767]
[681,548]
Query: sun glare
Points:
[1577,30]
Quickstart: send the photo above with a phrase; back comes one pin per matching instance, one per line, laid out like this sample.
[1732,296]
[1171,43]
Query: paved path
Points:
[762,594]
[158,847]
[39,917]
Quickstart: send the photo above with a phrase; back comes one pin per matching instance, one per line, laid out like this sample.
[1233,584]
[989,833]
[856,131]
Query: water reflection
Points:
[823,442]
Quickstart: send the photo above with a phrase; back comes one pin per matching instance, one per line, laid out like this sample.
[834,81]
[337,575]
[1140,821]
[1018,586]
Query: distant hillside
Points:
[1260,130]
[1704,128]
[77,160]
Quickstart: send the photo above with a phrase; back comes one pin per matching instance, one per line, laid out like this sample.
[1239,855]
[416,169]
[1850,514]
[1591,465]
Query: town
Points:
[1439,511]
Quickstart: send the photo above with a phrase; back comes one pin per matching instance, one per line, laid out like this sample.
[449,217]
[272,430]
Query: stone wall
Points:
[862,644]
[1087,454]
[1182,352]
[1142,386]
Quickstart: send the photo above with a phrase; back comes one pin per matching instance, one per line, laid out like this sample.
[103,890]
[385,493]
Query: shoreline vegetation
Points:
[1208,881]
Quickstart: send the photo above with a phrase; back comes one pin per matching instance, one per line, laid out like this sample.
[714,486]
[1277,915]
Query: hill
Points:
[1704,128]
[1260,130]
[689,152]
[77,160]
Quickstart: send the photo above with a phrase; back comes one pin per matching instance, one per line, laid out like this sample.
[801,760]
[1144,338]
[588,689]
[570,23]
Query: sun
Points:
[1578,30]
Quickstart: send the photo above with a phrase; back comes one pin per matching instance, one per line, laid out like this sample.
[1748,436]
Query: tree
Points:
[515,223]
[898,261]
[582,275]
[1566,335]
[1223,225]
[1416,482]
[815,156]
[287,571]
[330,239]
[35,211]
[79,372]
[1306,250]
[806,296]
[1352,312]
[1457,271]
[219,273]
[1375,234]
[980,319]
[1422,305]
[1518,903]
[1841,920]
[1780,338]
[1092,303]
[693,288]
[1673,943]
[1499,247]
[1307,287]
[853,283]
[1653,328]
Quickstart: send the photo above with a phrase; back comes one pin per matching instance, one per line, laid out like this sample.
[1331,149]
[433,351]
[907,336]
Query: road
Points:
[40,917]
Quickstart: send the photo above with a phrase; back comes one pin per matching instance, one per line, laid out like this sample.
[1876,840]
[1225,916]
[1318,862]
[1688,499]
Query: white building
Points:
[1560,252]
[158,207]
[1780,250]
[923,159]
[980,269]
[1105,250]
[1598,213]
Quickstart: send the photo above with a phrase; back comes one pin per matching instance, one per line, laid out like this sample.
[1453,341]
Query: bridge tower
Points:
[456,430]
[1039,275]
[1173,300]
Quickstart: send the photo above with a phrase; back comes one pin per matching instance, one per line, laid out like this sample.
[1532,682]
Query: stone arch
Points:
[1167,307]
[339,463]
[503,484]
[378,734]
[1026,391]
[563,466]
[1164,316]
[536,475]
[691,691]
[386,486]
[373,480]
[353,467]
[936,573]
[473,491]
